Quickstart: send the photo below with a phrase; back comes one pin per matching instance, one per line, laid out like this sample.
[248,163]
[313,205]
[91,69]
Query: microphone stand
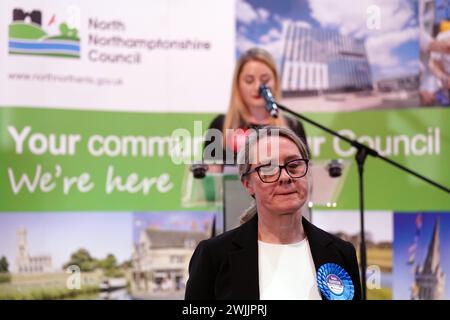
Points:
[362,152]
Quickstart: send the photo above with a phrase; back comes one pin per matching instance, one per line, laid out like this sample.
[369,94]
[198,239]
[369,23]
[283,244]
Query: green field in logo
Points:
[27,36]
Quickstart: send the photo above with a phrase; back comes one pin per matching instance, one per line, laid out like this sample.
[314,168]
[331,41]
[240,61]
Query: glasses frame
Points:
[280,167]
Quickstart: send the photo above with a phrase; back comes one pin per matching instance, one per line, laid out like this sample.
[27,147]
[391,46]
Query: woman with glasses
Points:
[275,253]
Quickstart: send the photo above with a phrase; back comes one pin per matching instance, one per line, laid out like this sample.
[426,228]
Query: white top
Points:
[287,272]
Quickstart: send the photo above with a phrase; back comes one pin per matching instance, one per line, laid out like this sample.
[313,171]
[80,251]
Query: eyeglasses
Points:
[269,173]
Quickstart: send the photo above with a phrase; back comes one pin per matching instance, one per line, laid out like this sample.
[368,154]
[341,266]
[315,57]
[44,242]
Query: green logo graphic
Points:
[27,36]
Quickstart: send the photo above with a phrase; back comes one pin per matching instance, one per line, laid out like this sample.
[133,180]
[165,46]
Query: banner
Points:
[133,56]
[113,161]
[104,106]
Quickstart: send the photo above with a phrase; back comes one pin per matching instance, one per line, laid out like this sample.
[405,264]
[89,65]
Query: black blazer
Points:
[226,267]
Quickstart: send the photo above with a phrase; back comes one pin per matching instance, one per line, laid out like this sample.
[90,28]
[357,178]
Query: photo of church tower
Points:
[421,260]
[429,278]
[27,263]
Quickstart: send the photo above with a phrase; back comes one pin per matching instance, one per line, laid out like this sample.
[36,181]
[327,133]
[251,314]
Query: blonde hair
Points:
[244,156]
[237,110]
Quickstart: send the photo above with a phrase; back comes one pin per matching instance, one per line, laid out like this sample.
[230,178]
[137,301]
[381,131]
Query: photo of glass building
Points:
[316,60]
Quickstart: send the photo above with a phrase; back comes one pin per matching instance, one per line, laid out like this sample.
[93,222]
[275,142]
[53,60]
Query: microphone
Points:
[335,168]
[271,105]
[199,170]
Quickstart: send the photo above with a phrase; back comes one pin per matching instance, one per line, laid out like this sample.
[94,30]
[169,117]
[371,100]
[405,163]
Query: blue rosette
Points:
[334,282]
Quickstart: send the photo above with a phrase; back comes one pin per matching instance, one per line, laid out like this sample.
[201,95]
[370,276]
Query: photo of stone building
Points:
[27,263]
[161,256]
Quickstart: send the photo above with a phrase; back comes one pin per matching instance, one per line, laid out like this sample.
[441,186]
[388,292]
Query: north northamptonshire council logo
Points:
[27,36]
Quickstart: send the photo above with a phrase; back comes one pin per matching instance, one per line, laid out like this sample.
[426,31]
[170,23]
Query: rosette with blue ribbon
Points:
[334,282]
